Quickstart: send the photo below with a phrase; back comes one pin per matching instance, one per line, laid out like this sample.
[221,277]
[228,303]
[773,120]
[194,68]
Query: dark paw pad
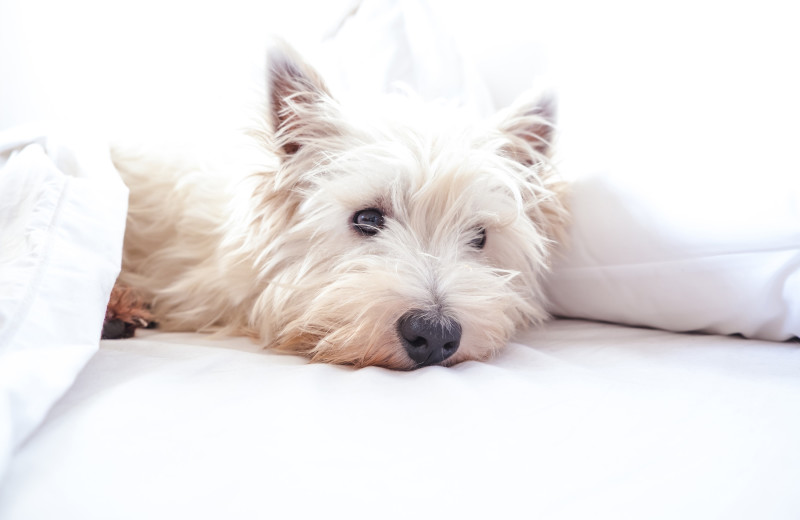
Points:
[117,329]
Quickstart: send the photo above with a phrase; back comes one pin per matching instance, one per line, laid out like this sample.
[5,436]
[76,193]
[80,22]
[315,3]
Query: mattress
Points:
[575,420]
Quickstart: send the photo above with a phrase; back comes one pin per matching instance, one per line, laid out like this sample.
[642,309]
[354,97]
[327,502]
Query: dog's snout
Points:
[428,341]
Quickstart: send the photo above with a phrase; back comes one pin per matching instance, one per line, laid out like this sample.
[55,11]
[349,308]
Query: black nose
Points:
[428,340]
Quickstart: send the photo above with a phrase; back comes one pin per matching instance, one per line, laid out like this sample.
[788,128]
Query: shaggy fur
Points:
[272,252]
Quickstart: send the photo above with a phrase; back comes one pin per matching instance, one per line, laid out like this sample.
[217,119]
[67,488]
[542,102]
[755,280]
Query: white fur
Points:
[269,250]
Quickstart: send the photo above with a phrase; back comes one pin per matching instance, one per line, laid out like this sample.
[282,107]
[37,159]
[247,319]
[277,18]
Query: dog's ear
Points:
[529,124]
[298,100]
[528,131]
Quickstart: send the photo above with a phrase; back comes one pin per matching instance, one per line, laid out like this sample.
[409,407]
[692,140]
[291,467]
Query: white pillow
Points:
[62,218]
[680,132]
[683,256]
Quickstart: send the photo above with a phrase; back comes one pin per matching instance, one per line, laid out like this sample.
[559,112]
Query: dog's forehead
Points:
[420,162]
[436,173]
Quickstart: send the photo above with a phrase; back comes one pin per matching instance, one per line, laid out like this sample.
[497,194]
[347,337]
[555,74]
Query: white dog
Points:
[406,237]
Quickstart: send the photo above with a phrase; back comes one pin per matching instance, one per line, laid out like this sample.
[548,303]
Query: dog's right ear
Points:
[299,101]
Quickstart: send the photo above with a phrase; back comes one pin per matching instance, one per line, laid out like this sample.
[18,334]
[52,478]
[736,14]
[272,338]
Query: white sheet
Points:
[579,420]
[62,216]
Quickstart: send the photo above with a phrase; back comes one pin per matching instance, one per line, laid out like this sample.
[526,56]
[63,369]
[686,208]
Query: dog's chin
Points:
[385,350]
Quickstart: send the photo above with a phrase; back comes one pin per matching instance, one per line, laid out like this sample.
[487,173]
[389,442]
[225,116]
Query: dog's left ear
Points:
[528,131]
[299,101]
[529,124]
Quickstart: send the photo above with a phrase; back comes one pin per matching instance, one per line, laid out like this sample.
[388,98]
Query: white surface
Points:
[579,420]
[62,216]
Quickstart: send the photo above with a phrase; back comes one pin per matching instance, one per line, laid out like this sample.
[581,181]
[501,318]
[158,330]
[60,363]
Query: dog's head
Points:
[403,235]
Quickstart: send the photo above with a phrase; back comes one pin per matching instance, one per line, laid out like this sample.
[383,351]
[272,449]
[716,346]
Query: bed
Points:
[570,421]
[666,386]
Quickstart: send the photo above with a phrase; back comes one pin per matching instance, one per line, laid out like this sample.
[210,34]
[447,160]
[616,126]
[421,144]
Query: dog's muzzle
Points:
[428,341]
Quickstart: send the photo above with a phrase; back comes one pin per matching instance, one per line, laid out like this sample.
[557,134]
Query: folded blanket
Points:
[62,219]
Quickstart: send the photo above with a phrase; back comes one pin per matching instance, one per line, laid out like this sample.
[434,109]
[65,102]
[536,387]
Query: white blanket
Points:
[62,216]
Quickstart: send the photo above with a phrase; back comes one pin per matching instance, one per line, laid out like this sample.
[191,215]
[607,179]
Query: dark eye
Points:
[480,240]
[368,221]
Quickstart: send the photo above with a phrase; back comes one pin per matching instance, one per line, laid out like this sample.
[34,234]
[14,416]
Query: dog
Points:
[401,235]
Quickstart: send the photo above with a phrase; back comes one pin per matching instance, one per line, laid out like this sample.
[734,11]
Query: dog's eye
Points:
[368,221]
[480,240]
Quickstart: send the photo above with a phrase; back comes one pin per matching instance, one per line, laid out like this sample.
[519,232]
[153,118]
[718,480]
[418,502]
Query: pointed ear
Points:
[530,125]
[298,99]
[528,129]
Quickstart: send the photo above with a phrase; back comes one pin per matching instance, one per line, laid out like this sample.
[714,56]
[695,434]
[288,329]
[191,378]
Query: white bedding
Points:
[62,215]
[579,420]
[677,226]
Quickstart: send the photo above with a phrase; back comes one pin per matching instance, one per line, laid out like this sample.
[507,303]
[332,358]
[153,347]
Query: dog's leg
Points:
[125,313]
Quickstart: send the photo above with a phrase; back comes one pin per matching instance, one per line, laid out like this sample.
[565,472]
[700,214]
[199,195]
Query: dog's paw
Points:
[125,313]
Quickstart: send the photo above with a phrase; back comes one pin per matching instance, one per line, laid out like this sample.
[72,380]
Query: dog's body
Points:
[400,239]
